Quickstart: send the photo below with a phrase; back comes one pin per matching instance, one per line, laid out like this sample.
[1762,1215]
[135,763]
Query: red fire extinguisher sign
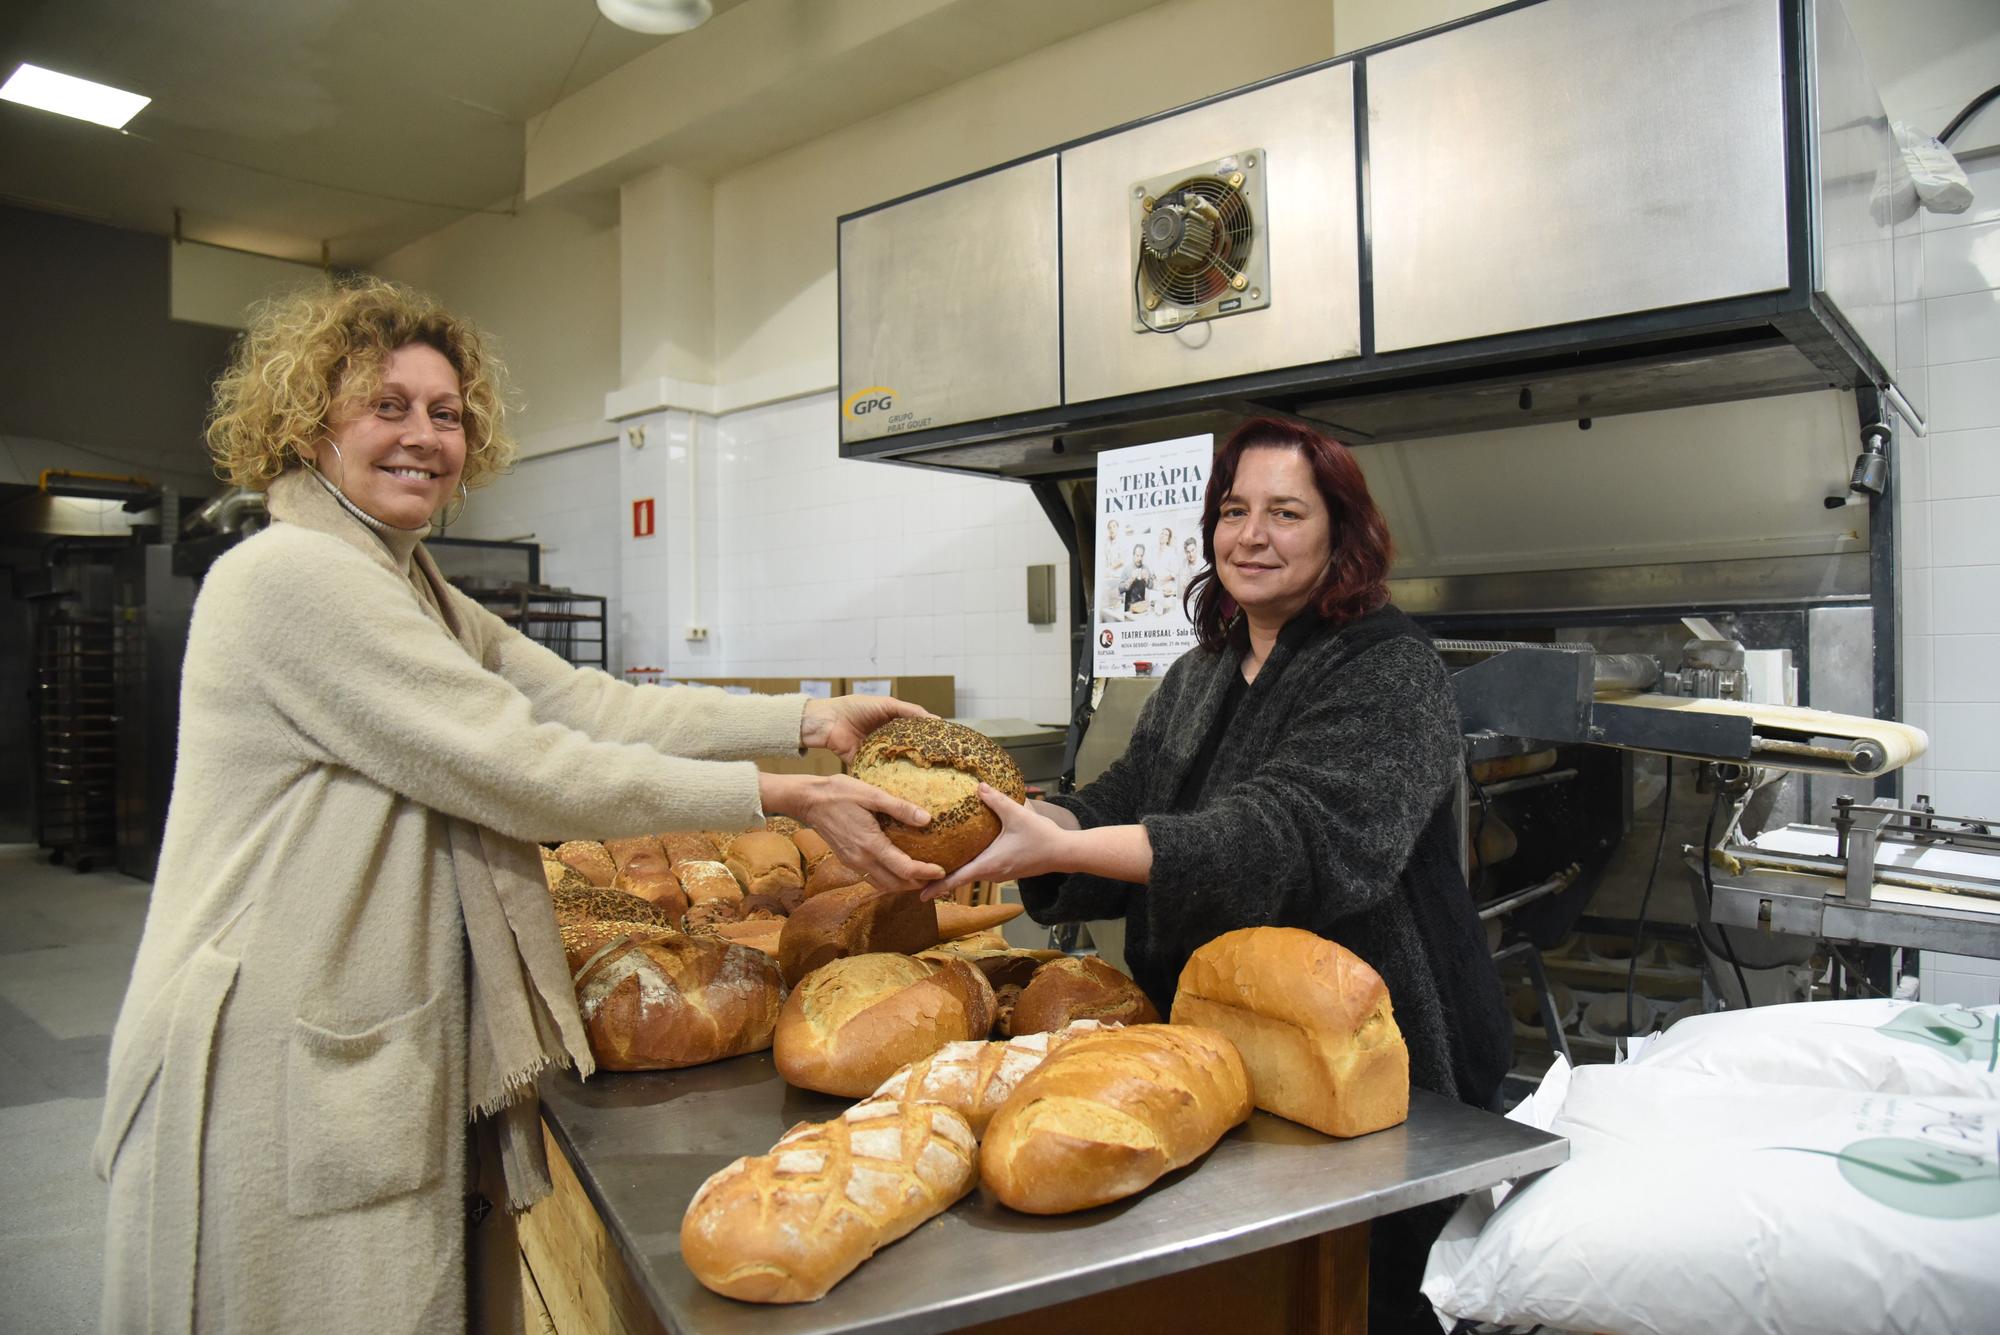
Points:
[642,518]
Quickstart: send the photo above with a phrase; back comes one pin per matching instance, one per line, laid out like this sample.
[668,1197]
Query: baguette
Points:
[1312,1021]
[955,920]
[787,1226]
[853,1022]
[1109,1114]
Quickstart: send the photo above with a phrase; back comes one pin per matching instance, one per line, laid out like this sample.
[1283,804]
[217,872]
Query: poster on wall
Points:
[1149,501]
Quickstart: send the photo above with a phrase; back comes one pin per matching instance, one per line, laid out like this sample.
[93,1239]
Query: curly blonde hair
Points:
[310,352]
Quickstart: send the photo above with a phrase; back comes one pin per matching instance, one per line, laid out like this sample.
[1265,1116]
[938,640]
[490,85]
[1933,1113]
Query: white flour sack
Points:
[1891,1047]
[1691,1203]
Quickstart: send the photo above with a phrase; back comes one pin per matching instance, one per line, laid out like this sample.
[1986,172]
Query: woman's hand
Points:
[1030,842]
[841,723]
[843,811]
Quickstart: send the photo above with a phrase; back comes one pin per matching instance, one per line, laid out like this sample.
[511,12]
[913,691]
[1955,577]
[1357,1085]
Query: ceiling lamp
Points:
[657,16]
[67,95]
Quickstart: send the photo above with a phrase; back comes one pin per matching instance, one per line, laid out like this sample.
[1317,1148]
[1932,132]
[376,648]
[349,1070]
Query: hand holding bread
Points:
[844,812]
[940,766]
[840,724]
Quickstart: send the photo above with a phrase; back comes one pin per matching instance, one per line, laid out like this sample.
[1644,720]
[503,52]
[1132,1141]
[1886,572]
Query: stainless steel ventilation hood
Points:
[1557,209]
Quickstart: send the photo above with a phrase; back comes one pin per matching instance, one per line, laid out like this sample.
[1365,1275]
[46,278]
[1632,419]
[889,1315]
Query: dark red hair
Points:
[1356,581]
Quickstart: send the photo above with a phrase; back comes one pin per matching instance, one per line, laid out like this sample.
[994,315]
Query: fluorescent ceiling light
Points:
[66,95]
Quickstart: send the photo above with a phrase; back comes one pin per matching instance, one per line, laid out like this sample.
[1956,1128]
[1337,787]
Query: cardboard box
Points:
[938,694]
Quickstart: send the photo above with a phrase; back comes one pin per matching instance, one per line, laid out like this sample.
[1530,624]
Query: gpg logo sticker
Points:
[867,402]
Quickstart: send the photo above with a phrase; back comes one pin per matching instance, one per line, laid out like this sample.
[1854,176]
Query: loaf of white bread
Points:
[1109,1113]
[851,1023]
[1312,1022]
[785,1227]
[974,1079]
[660,1000]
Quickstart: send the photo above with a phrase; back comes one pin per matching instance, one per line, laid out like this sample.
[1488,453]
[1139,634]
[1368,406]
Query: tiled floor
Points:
[66,947]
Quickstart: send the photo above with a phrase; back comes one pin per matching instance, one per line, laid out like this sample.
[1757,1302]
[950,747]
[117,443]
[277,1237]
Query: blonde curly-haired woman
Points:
[350,975]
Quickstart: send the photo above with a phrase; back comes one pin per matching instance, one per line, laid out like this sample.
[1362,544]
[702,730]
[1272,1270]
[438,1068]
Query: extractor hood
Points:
[1558,209]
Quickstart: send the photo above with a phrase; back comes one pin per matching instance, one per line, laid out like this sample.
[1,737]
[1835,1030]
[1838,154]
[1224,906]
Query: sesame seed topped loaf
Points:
[610,905]
[939,765]
[589,859]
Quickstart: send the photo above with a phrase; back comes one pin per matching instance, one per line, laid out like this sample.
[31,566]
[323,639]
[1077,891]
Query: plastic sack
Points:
[1939,180]
[1887,1047]
[1694,1203]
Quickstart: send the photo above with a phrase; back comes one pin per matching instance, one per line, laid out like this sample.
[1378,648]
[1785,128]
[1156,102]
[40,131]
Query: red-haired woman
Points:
[1296,770]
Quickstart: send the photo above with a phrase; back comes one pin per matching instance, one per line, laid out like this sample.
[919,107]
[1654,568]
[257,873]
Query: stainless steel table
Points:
[642,1143]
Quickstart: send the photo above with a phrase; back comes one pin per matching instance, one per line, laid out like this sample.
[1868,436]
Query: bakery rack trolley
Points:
[569,624]
[76,737]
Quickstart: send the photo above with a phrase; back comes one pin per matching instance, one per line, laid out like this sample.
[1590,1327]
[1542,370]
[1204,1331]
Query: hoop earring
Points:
[451,515]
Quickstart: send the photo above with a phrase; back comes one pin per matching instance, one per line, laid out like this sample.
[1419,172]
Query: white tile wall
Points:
[807,563]
[559,500]
[1949,516]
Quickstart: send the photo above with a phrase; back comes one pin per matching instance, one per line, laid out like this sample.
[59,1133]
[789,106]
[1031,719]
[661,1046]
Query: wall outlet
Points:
[697,632]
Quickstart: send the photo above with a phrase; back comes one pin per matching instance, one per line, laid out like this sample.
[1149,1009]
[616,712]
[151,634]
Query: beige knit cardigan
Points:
[285,1121]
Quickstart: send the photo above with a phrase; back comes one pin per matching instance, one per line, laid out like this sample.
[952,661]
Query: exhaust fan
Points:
[1199,252]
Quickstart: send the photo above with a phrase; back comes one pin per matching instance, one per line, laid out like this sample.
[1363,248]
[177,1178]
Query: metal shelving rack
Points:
[76,737]
[570,624]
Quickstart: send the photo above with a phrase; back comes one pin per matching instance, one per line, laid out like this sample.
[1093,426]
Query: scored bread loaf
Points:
[1109,1113]
[1003,967]
[974,1079]
[857,920]
[766,863]
[787,1226]
[851,1023]
[669,1000]
[588,859]
[1079,987]
[643,870]
[939,765]
[1312,1021]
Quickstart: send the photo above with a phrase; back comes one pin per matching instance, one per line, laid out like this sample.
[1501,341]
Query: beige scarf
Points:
[522,1011]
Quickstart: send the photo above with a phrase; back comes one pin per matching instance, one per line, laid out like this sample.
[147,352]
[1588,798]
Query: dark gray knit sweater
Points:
[1327,806]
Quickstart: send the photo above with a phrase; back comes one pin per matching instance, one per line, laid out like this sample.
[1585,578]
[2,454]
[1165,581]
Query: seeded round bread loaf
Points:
[939,765]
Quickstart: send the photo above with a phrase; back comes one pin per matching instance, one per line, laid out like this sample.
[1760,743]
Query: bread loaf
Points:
[852,1023]
[583,939]
[1080,987]
[766,863]
[712,913]
[690,847]
[1312,1021]
[707,880]
[607,905]
[811,847]
[830,873]
[1003,967]
[559,876]
[787,1226]
[784,825]
[1109,1113]
[588,859]
[939,765]
[974,1079]
[858,920]
[671,1000]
